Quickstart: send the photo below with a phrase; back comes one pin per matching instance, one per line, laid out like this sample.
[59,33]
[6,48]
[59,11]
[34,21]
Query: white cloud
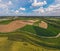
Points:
[35,3]
[51,8]
[10,3]
[0,0]
[16,11]
[23,9]
[40,10]
[3,6]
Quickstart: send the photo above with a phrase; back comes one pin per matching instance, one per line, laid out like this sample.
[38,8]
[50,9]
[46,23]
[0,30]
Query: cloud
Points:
[23,9]
[16,12]
[35,3]
[10,3]
[38,7]
[51,8]
[0,0]
[40,10]
[3,6]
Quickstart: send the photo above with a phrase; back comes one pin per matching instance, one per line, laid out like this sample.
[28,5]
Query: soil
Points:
[43,25]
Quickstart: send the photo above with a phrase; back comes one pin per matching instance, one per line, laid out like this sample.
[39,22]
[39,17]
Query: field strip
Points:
[43,36]
[35,40]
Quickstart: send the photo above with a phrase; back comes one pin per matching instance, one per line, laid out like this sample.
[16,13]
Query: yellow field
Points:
[24,46]
[7,45]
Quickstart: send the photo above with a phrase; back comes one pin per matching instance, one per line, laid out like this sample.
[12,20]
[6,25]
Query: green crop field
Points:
[5,21]
[32,37]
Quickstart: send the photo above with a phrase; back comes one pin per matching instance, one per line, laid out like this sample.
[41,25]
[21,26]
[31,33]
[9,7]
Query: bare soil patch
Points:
[43,25]
[12,26]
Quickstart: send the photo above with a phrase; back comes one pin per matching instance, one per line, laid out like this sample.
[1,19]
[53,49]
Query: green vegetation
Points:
[53,25]
[37,23]
[30,37]
[39,31]
[5,21]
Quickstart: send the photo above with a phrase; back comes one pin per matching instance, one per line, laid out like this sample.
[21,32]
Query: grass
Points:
[37,23]
[31,38]
[5,21]
[39,31]
[4,44]
[19,39]
[53,26]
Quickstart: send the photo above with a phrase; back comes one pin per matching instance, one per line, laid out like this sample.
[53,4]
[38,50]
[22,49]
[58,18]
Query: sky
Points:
[29,7]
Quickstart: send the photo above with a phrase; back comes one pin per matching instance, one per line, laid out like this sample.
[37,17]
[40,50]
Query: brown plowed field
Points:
[12,26]
[15,25]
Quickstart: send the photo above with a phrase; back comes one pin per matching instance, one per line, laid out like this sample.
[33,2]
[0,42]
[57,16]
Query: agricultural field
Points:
[30,34]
